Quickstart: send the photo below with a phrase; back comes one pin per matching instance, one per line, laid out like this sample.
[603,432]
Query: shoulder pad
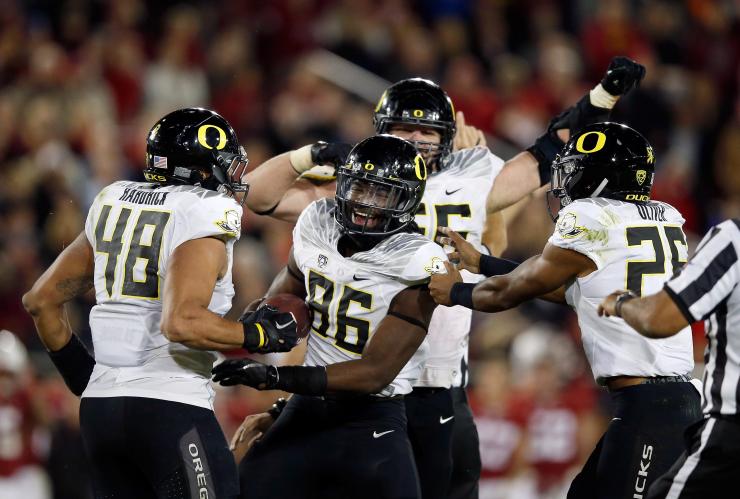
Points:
[583,227]
[315,225]
[428,259]
[214,216]
[475,161]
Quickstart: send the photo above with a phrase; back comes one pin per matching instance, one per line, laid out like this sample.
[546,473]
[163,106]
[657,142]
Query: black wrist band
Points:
[462,294]
[74,363]
[492,265]
[544,150]
[621,299]
[303,380]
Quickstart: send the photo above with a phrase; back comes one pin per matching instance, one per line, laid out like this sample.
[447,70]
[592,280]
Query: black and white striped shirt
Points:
[707,289]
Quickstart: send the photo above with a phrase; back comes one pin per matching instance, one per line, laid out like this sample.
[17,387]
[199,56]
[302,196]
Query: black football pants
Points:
[465,449]
[641,443]
[323,447]
[142,448]
[431,418]
[711,465]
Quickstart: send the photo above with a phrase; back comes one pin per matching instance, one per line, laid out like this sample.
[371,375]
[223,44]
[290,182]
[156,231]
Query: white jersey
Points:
[455,197]
[636,247]
[134,227]
[350,296]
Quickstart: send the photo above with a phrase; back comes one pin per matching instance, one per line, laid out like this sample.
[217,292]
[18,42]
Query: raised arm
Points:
[529,170]
[273,186]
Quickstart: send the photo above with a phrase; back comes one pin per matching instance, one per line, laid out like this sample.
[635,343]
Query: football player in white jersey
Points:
[362,266]
[466,189]
[159,256]
[608,231]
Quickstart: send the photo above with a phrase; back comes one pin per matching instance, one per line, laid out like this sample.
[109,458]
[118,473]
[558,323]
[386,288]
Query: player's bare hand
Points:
[251,430]
[441,284]
[607,307]
[464,255]
[467,136]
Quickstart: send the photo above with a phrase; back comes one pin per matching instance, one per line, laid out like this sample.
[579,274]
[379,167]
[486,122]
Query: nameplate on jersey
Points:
[654,212]
[143,197]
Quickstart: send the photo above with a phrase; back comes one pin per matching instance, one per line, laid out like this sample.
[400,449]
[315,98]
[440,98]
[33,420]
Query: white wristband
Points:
[601,98]
[300,159]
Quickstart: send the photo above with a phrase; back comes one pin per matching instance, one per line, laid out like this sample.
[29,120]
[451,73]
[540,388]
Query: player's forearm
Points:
[494,295]
[199,328]
[359,376]
[651,321]
[52,326]
[494,235]
[519,177]
[269,182]
[45,303]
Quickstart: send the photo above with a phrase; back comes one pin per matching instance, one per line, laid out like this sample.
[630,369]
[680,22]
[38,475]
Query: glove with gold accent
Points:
[268,330]
[622,75]
[304,380]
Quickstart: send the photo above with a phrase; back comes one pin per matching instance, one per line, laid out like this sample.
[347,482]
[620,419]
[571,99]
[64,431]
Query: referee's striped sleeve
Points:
[710,275]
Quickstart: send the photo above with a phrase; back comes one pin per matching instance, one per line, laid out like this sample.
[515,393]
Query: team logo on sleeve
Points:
[435,266]
[568,227]
[232,222]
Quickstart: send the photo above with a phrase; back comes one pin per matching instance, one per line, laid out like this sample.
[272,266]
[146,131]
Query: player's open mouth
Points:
[364,219]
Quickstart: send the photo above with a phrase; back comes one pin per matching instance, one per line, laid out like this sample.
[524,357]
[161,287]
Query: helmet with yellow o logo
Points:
[419,102]
[608,160]
[195,146]
[379,188]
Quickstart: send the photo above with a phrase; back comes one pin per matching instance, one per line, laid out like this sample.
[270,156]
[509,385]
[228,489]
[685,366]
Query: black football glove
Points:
[268,330]
[245,372]
[622,75]
[331,153]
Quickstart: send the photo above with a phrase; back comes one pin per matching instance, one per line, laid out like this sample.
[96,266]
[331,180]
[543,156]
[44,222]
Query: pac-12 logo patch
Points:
[641,176]
[567,226]
[323,260]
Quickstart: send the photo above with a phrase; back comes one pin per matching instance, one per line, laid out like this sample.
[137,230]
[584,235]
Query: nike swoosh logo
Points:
[449,193]
[283,326]
[445,420]
[354,276]
[378,435]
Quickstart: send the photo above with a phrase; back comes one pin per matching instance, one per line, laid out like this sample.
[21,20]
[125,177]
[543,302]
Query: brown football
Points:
[286,302]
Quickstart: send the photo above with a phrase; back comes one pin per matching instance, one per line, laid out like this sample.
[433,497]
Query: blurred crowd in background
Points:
[82,81]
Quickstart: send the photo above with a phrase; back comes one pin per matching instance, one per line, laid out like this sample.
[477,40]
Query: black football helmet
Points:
[417,101]
[608,160]
[379,188]
[191,142]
